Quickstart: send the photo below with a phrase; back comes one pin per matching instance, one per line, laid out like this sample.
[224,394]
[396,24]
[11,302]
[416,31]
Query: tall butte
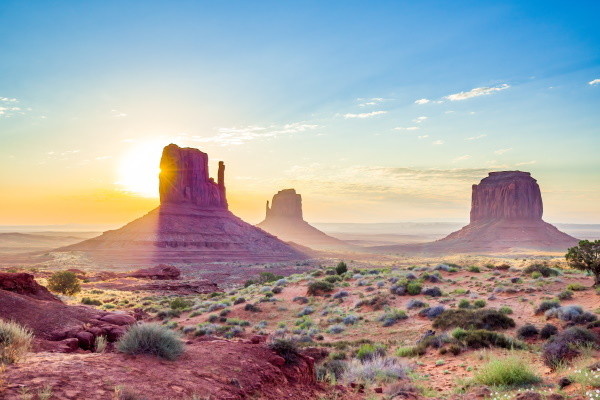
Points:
[506,216]
[192,223]
[284,219]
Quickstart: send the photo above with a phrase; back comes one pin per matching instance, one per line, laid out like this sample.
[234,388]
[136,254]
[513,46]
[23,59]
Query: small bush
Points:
[180,304]
[565,295]
[431,312]
[350,320]
[390,317]
[413,288]
[64,282]
[341,294]
[317,287]
[527,331]
[548,331]
[479,303]
[546,305]
[341,268]
[507,371]
[252,308]
[541,269]
[285,348]
[151,339]
[368,351]
[433,292]
[413,303]
[576,287]
[474,269]
[464,304]
[90,302]
[335,329]
[506,310]
[379,369]
[467,319]
[277,289]
[481,338]
[563,346]
[15,342]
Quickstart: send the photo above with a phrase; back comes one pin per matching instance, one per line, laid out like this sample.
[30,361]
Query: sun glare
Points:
[139,169]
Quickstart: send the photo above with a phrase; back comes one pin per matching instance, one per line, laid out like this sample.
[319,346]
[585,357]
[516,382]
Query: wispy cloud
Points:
[594,82]
[241,135]
[407,128]
[423,136]
[422,101]
[477,137]
[461,158]
[419,120]
[438,142]
[476,92]
[366,102]
[364,115]
[117,114]
[502,151]
[8,107]
[526,163]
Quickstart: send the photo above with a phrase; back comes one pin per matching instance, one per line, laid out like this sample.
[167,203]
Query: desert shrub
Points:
[473,319]
[15,342]
[413,288]
[479,303]
[541,269]
[565,295]
[563,346]
[576,287]
[335,329]
[314,288]
[379,369]
[398,290]
[546,305]
[431,312]
[408,351]
[277,289]
[536,275]
[300,299]
[508,371]
[331,370]
[341,268]
[506,310]
[252,308]
[391,316]
[64,282]
[285,348]
[377,302]
[433,292]
[572,313]
[340,294]
[91,302]
[474,269]
[527,331]
[368,351]
[332,279]
[350,319]
[151,339]
[306,311]
[100,344]
[548,331]
[414,303]
[481,338]
[180,304]
[464,303]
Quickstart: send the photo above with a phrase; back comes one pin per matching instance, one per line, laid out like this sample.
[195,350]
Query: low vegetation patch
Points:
[379,369]
[151,339]
[319,287]
[564,346]
[489,319]
[15,342]
[507,371]
[285,348]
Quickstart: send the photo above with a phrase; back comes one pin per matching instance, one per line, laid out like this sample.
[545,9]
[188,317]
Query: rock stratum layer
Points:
[192,223]
[284,219]
[506,217]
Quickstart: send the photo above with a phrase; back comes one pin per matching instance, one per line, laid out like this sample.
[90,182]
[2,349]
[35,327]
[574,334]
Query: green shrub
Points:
[285,348]
[481,338]
[536,275]
[15,342]
[332,279]
[473,319]
[565,295]
[413,288]
[464,303]
[506,310]
[341,268]
[90,302]
[474,269]
[180,304]
[151,339]
[64,282]
[576,287]
[314,288]
[479,303]
[546,305]
[369,351]
[391,316]
[507,371]
[541,269]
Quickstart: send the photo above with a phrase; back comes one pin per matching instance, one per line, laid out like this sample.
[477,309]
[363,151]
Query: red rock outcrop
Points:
[510,195]
[184,179]
[506,217]
[192,225]
[160,272]
[52,320]
[284,219]
[25,284]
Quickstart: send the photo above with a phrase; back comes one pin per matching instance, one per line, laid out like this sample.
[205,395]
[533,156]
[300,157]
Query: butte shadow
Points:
[506,217]
[192,224]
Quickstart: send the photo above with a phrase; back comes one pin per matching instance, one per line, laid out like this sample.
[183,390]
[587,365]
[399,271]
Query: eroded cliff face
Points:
[184,178]
[507,195]
[286,204]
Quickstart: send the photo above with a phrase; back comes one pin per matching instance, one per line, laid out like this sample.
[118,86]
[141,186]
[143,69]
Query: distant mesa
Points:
[506,216]
[284,219]
[192,223]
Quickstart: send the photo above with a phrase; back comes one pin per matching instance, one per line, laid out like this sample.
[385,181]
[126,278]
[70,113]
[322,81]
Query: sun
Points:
[139,168]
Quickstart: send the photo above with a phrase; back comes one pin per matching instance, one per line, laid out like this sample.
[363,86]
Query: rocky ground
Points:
[342,326]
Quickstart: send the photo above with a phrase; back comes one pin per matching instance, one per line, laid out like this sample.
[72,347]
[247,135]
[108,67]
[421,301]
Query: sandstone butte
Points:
[192,224]
[506,217]
[284,219]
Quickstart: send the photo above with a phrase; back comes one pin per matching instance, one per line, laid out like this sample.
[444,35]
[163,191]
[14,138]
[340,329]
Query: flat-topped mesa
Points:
[286,204]
[506,195]
[184,179]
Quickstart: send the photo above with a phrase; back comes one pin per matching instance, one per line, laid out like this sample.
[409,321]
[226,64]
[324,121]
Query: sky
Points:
[379,111]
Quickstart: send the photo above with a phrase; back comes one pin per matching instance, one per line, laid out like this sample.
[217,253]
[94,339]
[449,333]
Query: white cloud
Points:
[418,120]
[237,136]
[438,142]
[117,114]
[481,91]
[502,151]
[365,102]
[422,101]
[364,115]
[594,82]
[408,128]
[526,163]
[461,158]
[8,100]
[477,137]
[423,137]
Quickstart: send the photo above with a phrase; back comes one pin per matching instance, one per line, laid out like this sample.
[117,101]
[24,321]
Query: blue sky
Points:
[374,111]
